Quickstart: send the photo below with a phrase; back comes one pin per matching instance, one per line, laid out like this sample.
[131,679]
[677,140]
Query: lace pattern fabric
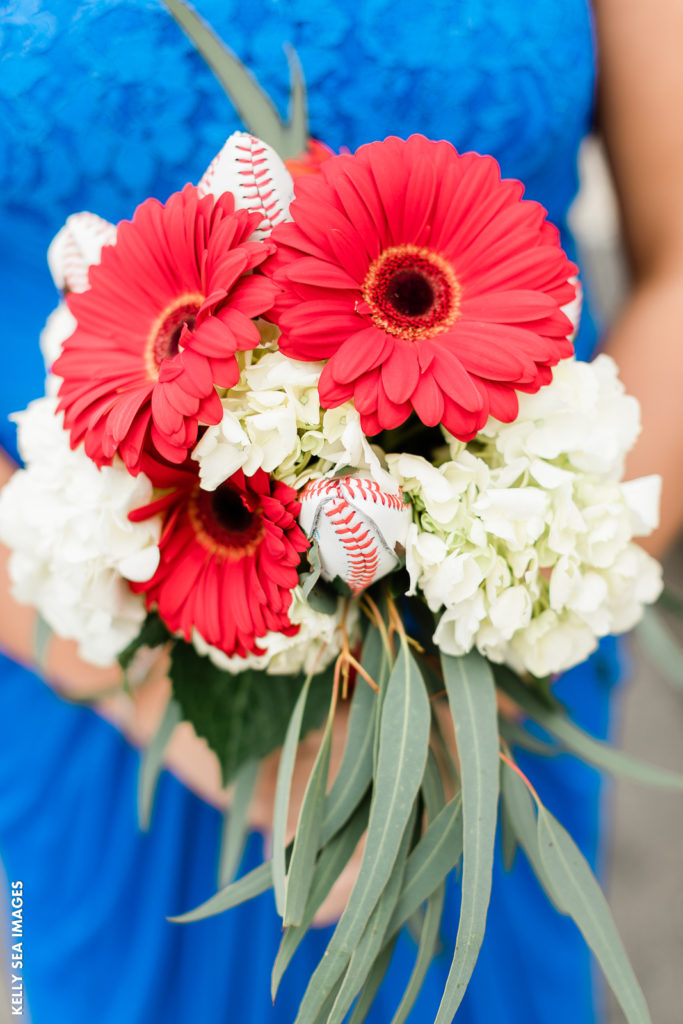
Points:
[104,102]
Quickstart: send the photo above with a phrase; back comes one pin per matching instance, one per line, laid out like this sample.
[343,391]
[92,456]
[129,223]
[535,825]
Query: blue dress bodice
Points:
[105,102]
[102,103]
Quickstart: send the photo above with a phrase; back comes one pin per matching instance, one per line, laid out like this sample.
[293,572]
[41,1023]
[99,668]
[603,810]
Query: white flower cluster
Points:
[272,420]
[524,537]
[72,542]
[312,649]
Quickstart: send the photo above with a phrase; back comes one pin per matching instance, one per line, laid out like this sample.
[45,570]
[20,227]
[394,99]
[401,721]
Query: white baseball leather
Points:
[358,527]
[76,247]
[255,175]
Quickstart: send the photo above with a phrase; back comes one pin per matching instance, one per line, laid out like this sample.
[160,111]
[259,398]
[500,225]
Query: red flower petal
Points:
[228,560]
[157,329]
[428,246]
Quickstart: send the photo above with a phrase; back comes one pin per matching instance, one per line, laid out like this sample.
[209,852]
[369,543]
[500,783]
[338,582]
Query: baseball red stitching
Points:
[358,541]
[255,157]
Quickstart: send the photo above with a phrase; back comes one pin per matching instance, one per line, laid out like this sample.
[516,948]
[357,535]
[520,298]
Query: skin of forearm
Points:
[647,344]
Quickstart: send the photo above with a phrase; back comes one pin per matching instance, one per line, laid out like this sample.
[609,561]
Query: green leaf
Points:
[236,822]
[307,836]
[355,773]
[256,882]
[42,633]
[429,940]
[282,793]
[378,664]
[404,737]
[372,984]
[579,895]
[331,863]
[308,580]
[243,716]
[472,699]
[671,601]
[152,760]
[508,839]
[372,939]
[600,754]
[518,806]
[254,107]
[437,853]
[297,129]
[322,1016]
[661,646]
[432,788]
[515,735]
[153,634]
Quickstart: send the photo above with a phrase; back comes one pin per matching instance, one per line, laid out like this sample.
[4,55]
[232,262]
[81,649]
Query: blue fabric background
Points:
[103,103]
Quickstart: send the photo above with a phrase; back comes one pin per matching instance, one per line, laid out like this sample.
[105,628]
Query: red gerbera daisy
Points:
[169,305]
[427,283]
[229,559]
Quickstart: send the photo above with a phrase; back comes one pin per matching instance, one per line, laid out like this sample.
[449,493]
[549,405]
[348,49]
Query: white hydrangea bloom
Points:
[60,324]
[72,542]
[313,648]
[523,539]
[272,420]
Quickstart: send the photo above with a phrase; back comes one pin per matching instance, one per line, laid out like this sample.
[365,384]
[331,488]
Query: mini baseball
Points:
[77,247]
[255,175]
[358,527]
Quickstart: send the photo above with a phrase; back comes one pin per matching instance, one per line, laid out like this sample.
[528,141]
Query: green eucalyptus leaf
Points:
[518,806]
[437,853]
[447,759]
[432,788]
[256,882]
[236,822]
[661,646]
[42,632]
[323,1014]
[515,735]
[243,716]
[307,836]
[309,579]
[283,788]
[297,129]
[472,699]
[579,895]
[254,107]
[671,601]
[579,742]
[378,663]
[355,772]
[508,839]
[372,939]
[404,738]
[332,861]
[429,940]
[152,760]
[372,983]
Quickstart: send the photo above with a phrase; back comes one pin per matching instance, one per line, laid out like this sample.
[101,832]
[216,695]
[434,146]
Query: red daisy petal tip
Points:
[160,324]
[436,253]
[228,560]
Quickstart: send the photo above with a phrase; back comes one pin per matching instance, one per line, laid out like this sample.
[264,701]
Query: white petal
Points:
[255,175]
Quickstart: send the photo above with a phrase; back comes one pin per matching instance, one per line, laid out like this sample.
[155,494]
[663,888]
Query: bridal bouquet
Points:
[326,441]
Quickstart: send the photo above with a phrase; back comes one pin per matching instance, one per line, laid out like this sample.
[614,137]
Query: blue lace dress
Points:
[103,103]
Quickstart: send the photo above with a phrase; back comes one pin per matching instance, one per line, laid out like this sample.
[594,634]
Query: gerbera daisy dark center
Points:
[163,340]
[412,292]
[227,522]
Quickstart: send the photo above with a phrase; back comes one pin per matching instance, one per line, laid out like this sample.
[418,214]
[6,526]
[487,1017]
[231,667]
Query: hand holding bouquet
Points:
[337,448]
